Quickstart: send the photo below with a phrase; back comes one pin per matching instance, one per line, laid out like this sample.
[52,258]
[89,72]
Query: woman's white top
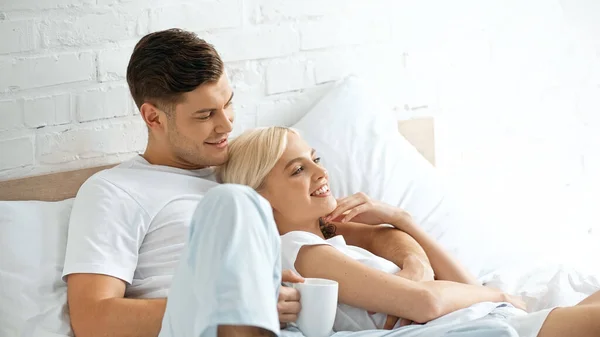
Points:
[347,318]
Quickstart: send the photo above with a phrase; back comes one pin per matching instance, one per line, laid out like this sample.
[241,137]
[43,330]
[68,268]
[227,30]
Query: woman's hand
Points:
[516,301]
[360,208]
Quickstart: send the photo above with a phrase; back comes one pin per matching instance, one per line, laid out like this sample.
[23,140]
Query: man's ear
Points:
[155,119]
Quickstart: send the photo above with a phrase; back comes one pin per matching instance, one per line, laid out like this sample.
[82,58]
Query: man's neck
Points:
[160,156]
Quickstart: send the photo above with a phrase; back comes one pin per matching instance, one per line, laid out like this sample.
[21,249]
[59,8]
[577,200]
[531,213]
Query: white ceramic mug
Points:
[319,298]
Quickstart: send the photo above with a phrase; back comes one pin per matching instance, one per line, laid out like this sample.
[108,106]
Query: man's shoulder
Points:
[111,180]
[134,174]
[151,188]
[103,189]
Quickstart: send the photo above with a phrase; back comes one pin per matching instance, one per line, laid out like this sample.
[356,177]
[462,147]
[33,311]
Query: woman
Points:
[281,167]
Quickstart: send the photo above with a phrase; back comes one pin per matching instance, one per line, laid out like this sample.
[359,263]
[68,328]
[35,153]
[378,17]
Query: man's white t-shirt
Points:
[132,222]
[347,318]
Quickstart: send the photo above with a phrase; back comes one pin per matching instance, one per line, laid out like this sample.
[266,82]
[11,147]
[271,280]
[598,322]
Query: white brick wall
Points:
[112,63]
[94,140]
[289,75]
[48,110]
[17,36]
[16,152]
[259,42]
[64,29]
[514,86]
[44,4]
[198,16]
[42,71]
[287,109]
[102,103]
[339,32]
[11,116]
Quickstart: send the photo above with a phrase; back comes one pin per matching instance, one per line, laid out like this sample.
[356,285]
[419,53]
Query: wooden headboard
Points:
[64,185]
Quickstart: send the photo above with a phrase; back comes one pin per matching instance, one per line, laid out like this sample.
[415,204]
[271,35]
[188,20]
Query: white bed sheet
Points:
[546,285]
[541,286]
[34,300]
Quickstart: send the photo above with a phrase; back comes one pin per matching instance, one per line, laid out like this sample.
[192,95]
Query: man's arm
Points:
[101,257]
[446,267]
[389,243]
[97,308]
[106,313]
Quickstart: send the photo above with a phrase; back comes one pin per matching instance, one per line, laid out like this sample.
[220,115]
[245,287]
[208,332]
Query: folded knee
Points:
[231,192]
[228,202]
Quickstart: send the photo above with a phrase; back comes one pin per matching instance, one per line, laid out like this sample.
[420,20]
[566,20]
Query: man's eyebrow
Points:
[312,153]
[213,109]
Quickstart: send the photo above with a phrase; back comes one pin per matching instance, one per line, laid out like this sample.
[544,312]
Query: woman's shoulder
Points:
[302,236]
[292,243]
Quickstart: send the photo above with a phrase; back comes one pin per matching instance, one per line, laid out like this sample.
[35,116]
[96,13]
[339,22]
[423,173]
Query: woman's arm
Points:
[362,209]
[444,265]
[376,291]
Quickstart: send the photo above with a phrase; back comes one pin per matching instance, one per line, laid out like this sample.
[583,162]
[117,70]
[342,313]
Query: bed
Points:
[366,154]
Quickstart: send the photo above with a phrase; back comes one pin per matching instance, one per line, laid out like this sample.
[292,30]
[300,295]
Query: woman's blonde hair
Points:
[253,154]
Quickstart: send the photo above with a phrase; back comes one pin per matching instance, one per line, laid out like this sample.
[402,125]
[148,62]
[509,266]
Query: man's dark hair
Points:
[168,63]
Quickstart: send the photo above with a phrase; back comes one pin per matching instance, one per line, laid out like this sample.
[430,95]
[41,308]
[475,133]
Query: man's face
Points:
[198,129]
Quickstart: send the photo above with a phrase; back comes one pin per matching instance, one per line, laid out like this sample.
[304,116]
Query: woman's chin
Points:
[330,206]
[324,206]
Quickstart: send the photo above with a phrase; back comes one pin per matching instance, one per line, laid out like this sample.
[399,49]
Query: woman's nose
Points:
[320,173]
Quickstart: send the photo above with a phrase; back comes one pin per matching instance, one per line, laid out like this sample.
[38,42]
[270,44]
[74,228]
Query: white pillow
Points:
[32,251]
[358,140]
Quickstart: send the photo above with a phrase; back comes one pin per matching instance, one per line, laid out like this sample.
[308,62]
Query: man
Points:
[130,224]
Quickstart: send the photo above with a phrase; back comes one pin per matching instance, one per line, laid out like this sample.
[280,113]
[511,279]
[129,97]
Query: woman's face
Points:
[297,187]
